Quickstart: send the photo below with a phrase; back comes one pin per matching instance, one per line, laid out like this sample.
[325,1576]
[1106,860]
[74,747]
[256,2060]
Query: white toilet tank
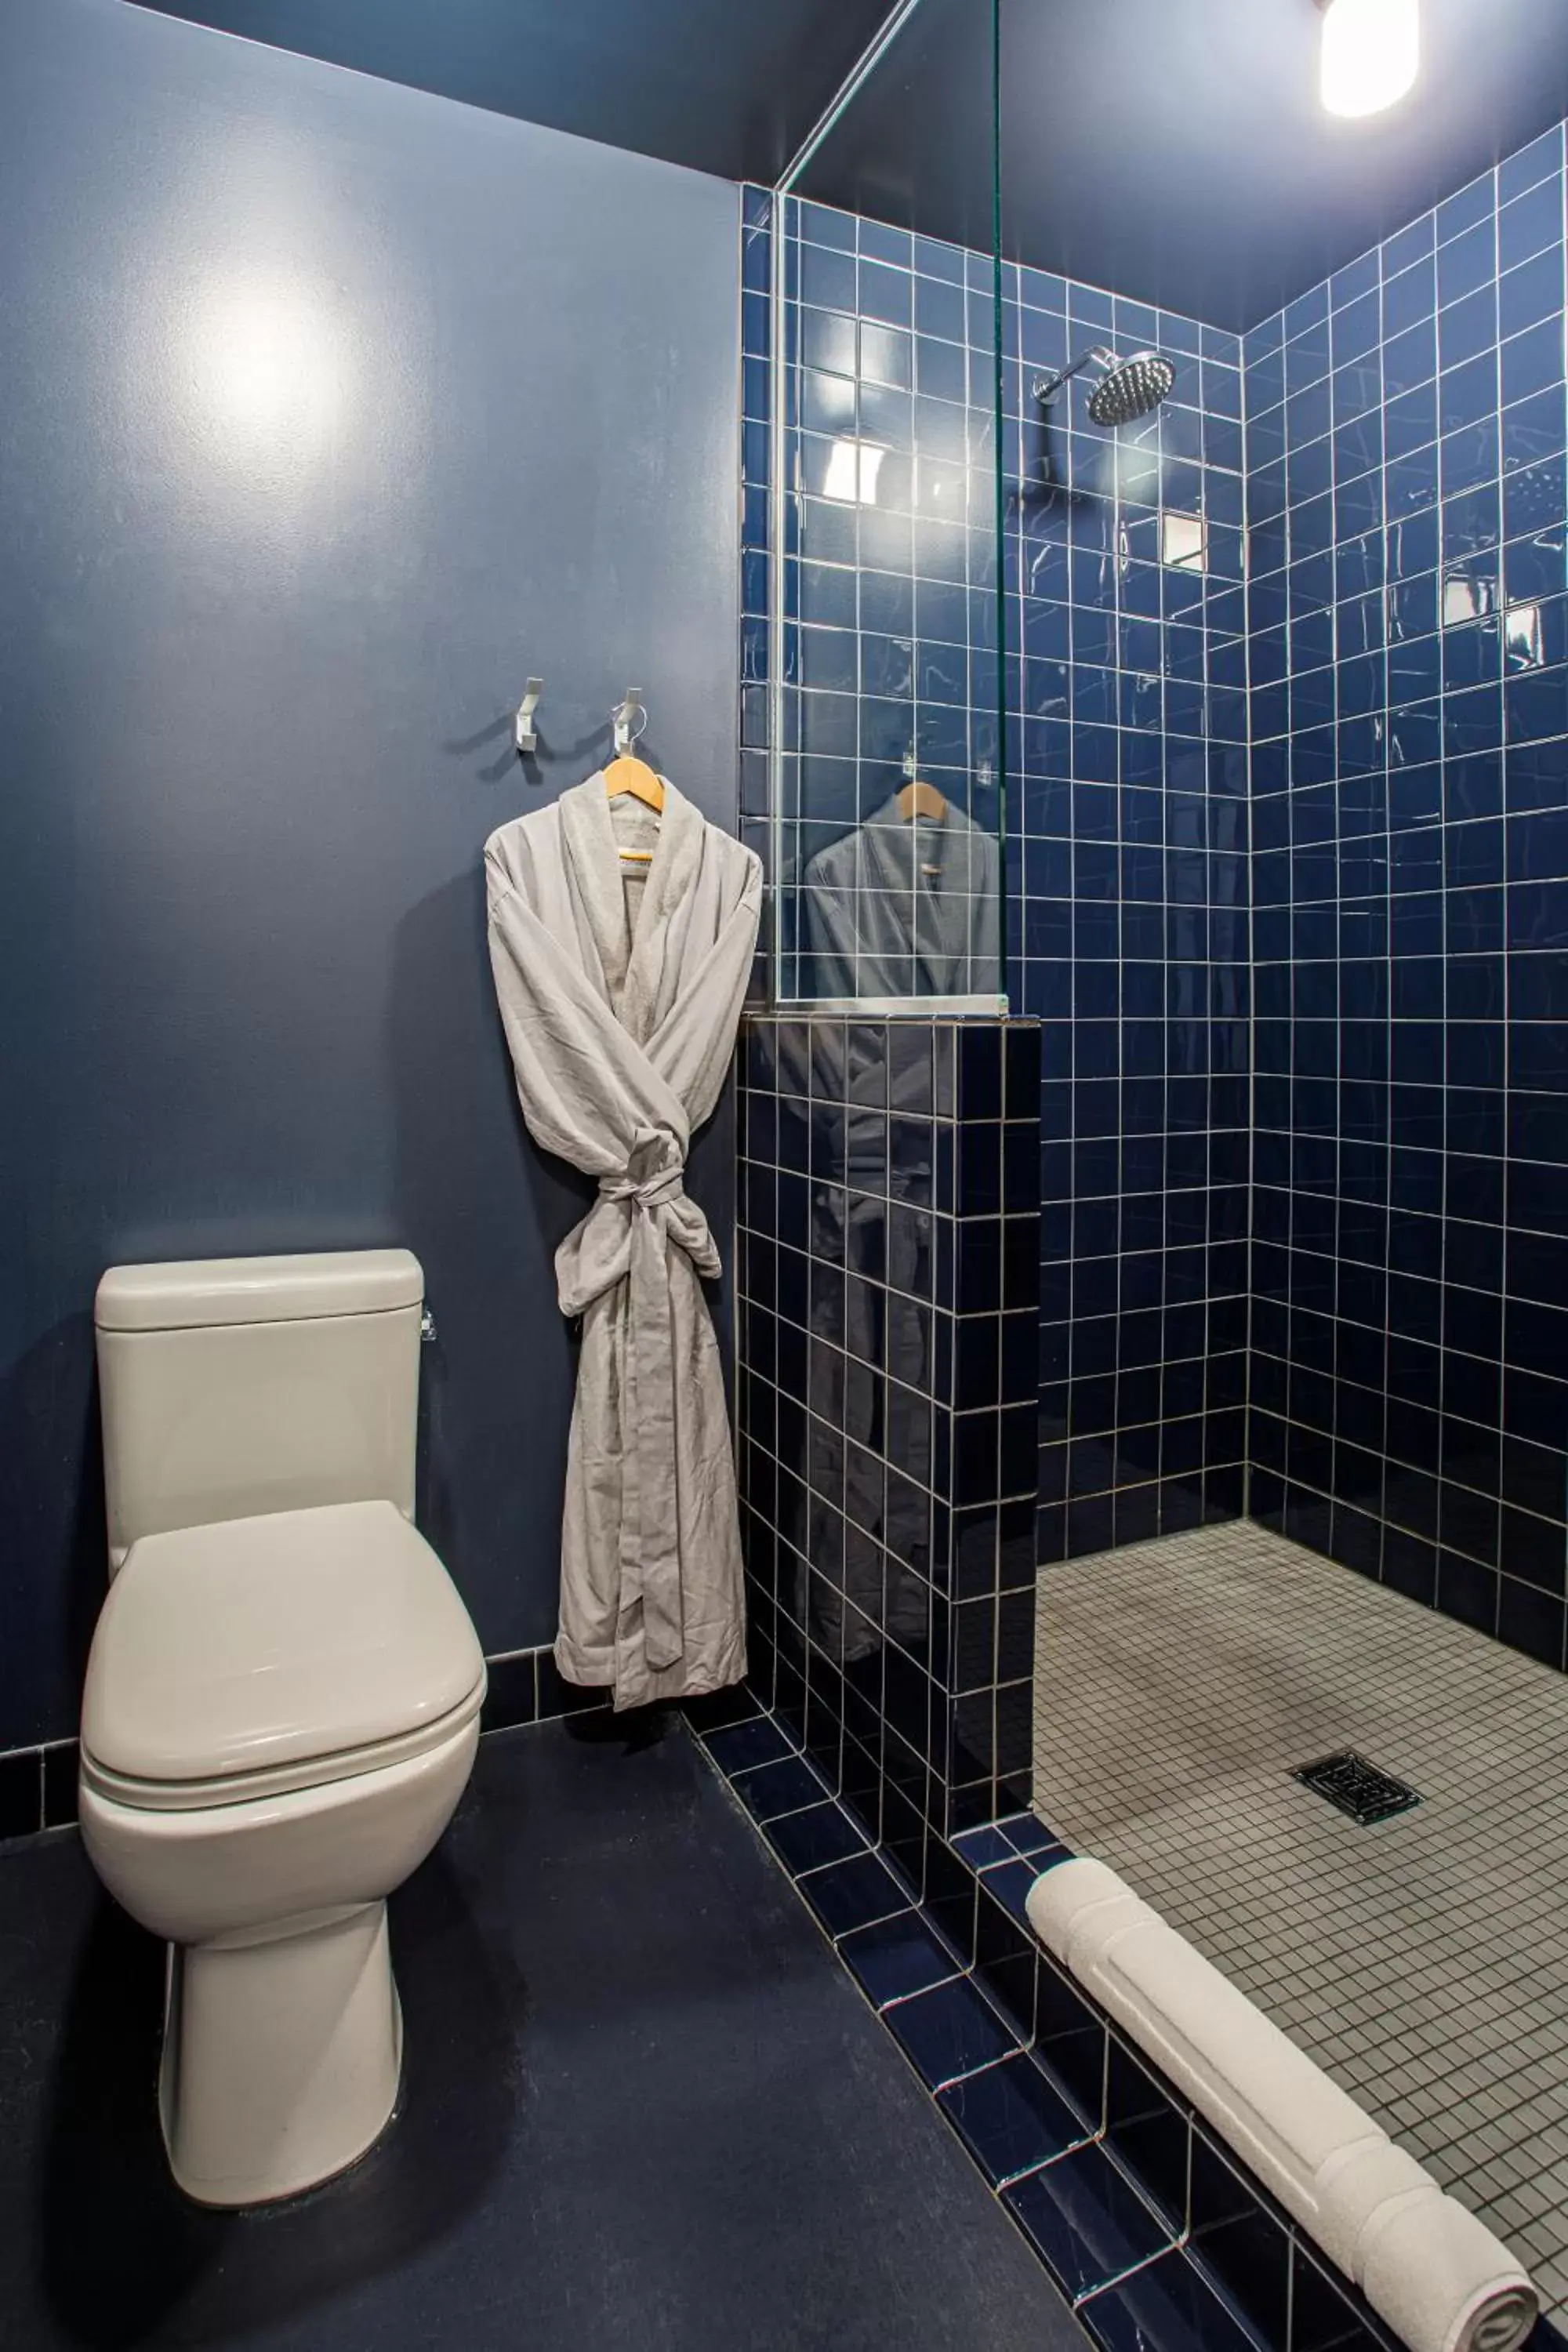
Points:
[233,1386]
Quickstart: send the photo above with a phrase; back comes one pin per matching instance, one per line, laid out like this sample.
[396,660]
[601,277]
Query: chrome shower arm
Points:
[1045,388]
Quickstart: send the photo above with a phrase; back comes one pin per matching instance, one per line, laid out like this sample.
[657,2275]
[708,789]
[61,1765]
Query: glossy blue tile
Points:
[1240,2243]
[1532,292]
[21,1792]
[818,1834]
[982,1845]
[950,2032]
[781,1786]
[1168,2306]
[61,1781]
[827,278]
[896,1957]
[1012,2118]
[741,1746]
[854,1892]
[1028,1834]
[1086,2219]
[1530,222]
[1530,165]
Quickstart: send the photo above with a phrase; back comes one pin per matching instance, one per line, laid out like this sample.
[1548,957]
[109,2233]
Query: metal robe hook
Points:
[630,719]
[526,734]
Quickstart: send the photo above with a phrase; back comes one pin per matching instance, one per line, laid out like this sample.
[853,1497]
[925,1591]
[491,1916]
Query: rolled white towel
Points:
[1437,2276]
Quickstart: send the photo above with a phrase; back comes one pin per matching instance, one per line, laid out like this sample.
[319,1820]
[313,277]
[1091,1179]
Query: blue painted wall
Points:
[328,410]
[1409,645]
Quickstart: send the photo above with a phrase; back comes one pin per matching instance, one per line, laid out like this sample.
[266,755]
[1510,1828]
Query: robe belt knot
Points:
[655,1201]
[648,1191]
[642,1216]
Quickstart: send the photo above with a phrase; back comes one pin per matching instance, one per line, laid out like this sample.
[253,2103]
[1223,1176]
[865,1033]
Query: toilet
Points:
[282,1701]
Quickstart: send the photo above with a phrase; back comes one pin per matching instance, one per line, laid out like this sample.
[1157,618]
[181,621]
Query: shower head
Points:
[1127,390]
[1134,387]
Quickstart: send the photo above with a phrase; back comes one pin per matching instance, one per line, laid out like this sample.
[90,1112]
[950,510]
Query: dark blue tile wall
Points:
[1409,678]
[1128,840]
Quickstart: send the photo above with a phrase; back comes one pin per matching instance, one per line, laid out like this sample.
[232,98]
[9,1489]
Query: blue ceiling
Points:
[1176,149]
[1172,148]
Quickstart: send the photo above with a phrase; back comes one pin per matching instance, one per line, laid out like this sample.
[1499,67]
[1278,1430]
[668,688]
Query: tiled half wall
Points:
[887,1308]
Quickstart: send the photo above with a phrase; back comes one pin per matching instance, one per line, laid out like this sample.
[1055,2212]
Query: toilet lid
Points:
[258,1643]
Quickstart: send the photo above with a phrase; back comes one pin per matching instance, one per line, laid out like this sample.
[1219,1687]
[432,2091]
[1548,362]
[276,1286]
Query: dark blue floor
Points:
[644,2106]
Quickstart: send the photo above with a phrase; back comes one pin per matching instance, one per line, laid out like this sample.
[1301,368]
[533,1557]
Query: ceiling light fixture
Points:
[1371,53]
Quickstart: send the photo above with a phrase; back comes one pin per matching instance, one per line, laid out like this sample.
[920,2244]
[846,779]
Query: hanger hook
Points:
[630,718]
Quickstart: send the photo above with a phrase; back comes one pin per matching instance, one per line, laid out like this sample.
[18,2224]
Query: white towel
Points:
[1437,2276]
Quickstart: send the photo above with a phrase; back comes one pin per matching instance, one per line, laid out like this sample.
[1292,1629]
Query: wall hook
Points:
[526,734]
[630,718]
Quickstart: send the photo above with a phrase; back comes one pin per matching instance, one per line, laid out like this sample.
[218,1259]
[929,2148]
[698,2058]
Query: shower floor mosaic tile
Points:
[1422,1961]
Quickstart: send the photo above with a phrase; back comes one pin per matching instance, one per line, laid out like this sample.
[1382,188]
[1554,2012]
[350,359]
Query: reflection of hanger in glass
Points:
[918,798]
[626,773]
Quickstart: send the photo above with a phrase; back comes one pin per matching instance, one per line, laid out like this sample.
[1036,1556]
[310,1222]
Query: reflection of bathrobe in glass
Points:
[879,925]
[882,1238]
[620,994]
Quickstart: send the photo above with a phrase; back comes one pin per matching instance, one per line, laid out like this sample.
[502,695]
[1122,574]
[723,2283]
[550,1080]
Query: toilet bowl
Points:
[281,1709]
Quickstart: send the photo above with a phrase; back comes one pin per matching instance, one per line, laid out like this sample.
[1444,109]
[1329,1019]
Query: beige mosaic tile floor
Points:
[1422,1961]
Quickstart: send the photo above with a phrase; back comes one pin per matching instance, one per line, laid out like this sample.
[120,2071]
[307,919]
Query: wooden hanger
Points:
[919,799]
[626,773]
[635,776]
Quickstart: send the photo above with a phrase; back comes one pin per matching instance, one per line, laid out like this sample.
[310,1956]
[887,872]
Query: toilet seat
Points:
[254,1657]
[279,1780]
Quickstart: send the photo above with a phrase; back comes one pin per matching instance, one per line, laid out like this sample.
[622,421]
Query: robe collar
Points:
[631,954]
[941,907]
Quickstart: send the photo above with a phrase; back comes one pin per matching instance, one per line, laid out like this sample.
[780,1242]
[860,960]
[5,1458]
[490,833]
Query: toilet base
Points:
[281,2056]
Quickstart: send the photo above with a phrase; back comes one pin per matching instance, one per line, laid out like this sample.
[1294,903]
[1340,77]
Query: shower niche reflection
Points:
[869,1333]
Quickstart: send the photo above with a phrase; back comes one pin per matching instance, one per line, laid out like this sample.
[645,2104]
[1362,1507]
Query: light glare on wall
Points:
[1371,54]
[853,466]
[1183,540]
[1523,642]
[266,370]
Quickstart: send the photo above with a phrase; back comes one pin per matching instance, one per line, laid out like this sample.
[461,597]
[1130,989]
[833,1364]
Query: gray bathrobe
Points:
[620,990]
[878,924]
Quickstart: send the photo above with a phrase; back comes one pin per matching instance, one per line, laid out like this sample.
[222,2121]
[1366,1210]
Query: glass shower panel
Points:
[886,706]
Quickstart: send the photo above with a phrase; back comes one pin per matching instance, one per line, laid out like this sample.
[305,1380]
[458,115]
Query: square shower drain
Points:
[1356,1787]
